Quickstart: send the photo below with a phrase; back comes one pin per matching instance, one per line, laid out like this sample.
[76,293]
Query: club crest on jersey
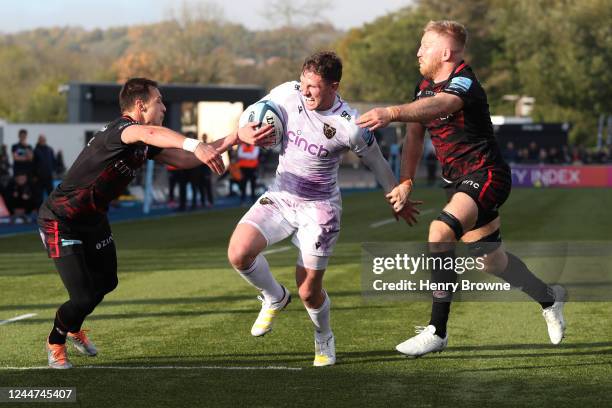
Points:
[329,131]
[265,201]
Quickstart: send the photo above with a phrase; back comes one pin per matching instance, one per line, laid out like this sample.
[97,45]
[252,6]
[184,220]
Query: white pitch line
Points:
[159,368]
[276,250]
[386,221]
[17,318]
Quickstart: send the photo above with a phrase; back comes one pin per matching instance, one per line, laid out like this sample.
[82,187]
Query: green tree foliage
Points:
[380,58]
[45,103]
[558,51]
[562,53]
[196,45]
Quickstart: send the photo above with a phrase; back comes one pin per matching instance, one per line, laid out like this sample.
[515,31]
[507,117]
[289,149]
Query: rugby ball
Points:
[265,112]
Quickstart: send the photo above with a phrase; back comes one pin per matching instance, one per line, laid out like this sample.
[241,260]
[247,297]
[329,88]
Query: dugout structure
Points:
[99,102]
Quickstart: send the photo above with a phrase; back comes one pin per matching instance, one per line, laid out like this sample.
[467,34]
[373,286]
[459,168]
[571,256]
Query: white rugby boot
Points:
[325,350]
[554,315]
[426,341]
[268,313]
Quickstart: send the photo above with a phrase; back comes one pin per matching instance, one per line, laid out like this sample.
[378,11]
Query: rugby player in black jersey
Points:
[452,106]
[73,220]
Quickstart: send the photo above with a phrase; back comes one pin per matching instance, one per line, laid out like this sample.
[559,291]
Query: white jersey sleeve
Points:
[361,140]
[363,143]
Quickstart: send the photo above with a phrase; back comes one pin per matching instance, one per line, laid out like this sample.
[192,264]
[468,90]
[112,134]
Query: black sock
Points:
[58,333]
[440,307]
[439,316]
[517,274]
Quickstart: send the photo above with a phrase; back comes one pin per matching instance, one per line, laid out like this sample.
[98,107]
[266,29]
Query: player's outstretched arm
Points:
[373,158]
[181,159]
[411,156]
[422,110]
[168,139]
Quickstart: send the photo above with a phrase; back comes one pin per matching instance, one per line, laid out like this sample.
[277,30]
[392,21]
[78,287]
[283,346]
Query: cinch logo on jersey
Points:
[471,183]
[313,149]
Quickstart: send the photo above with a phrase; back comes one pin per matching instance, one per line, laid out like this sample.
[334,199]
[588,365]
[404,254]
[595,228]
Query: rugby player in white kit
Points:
[304,201]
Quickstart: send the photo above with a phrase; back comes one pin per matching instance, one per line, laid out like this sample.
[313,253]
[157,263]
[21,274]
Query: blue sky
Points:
[28,14]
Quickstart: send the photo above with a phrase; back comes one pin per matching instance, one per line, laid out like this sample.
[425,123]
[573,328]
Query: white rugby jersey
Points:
[314,143]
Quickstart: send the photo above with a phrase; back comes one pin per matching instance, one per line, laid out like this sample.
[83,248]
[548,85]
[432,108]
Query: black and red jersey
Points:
[101,173]
[464,140]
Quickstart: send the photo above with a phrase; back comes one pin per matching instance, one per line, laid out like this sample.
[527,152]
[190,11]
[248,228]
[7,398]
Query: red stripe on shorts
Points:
[486,186]
[54,240]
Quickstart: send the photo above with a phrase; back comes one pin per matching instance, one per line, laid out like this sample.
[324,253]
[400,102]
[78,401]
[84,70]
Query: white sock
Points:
[320,317]
[258,275]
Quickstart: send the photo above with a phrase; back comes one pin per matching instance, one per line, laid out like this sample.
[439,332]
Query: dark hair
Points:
[133,89]
[326,64]
[23,132]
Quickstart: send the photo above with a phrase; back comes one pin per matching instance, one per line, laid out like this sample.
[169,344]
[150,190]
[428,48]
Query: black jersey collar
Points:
[461,65]
[129,117]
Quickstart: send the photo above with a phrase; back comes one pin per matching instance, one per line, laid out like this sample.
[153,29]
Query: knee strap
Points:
[454,224]
[485,245]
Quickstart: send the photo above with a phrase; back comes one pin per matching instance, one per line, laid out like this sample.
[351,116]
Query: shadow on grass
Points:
[534,367]
[347,359]
[162,301]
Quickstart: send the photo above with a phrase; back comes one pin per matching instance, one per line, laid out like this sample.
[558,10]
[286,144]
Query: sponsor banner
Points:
[561,176]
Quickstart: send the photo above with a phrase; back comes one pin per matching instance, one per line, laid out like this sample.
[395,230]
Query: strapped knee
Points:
[454,224]
[485,245]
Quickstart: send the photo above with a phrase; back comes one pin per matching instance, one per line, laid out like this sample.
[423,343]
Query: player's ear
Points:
[446,54]
[335,85]
[140,105]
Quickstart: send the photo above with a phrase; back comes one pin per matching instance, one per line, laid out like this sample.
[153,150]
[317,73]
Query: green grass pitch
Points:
[180,304]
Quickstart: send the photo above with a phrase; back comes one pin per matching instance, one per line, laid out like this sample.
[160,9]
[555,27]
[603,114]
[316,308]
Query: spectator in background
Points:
[542,156]
[555,156]
[43,165]
[234,173]
[600,155]
[510,154]
[248,160]
[193,176]
[20,198]
[395,157]
[533,153]
[206,190]
[173,180]
[60,167]
[22,155]
[5,169]
[565,155]
[579,155]
[523,155]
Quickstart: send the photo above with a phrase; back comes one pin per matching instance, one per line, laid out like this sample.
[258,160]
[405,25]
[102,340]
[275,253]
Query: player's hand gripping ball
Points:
[266,112]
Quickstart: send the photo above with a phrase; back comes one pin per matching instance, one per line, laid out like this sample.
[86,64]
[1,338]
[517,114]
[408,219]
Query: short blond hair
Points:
[449,28]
